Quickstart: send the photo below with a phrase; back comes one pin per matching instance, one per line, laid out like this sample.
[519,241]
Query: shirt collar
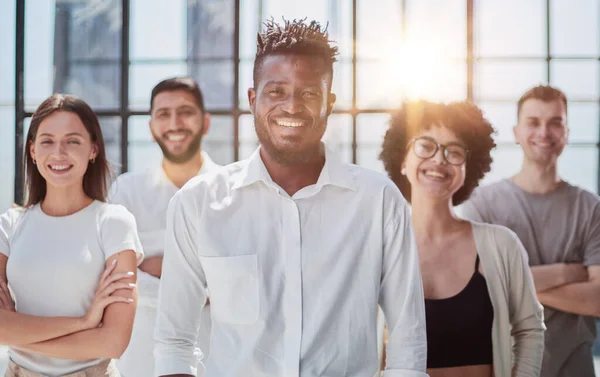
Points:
[334,172]
[208,165]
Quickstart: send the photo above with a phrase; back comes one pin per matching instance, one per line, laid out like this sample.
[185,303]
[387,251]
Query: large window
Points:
[112,52]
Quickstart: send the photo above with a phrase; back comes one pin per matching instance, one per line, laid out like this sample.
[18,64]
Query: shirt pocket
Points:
[233,286]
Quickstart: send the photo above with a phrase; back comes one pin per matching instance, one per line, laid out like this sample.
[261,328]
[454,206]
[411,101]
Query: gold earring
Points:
[93,160]
[34,161]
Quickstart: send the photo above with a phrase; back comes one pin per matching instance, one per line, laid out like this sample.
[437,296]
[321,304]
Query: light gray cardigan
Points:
[518,327]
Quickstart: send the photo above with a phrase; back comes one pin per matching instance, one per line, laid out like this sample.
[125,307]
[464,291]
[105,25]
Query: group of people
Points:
[275,265]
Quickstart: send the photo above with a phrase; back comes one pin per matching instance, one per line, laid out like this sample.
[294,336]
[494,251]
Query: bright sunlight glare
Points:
[417,69]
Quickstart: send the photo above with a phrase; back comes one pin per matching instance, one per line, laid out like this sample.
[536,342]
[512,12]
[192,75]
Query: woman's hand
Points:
[108,284]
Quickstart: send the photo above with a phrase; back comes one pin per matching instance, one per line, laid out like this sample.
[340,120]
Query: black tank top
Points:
[459,328]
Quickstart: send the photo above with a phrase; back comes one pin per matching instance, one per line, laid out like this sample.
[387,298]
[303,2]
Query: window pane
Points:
[578,79]
[247,136]
[507,80]
[210,28]
[379,28]
[375,87]
[436,80]
[39,51]
[158,29]
[246,82]
[111,132]
[143,77]
[7,64]
[502,116]
[216,81]
[99,85]
[219,141]
[370,129]
[7,156]
[368,157]
[507,162]
[340,26]
[510,28]
[574,27]
[383,84]
[439,25]
[342,85]
[583,123]
[338,135]
[249,24]
[87,34]
[143,153]
[139,129]
[579,166]
[72,47]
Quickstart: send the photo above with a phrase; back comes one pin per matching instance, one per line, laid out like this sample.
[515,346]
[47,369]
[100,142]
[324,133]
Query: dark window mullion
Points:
[353,110]
[19,100]
[124,109]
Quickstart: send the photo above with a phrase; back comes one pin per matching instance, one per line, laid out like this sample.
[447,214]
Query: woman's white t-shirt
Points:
[55,263]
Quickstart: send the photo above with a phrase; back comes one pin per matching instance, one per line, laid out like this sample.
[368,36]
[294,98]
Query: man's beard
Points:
[186,155]
[283,156]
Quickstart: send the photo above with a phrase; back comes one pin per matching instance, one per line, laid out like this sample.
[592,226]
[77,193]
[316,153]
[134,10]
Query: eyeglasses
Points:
[425,147]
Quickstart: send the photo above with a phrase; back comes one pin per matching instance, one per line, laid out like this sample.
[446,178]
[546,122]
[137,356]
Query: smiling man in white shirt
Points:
[295,247]
[178,122]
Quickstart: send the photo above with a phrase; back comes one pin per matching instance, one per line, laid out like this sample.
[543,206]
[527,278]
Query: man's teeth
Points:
[173,137]
[290,124]
[432,173]
[59,167]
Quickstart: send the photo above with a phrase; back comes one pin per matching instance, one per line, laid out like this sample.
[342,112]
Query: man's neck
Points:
[536,178]
[293,178]
[179,174]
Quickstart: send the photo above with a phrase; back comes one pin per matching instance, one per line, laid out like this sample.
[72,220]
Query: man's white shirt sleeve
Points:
[183,287]
[401,297]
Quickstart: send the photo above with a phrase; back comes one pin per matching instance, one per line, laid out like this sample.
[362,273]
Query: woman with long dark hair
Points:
[68,259]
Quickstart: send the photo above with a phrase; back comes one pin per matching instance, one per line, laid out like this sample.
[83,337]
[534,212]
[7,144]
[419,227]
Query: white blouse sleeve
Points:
[8,221]
[118,232]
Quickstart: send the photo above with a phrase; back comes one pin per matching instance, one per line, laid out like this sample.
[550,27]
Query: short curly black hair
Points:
[463,118]
[294,37]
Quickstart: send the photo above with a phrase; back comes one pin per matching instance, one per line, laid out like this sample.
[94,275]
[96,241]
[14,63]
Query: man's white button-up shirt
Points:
[294,282]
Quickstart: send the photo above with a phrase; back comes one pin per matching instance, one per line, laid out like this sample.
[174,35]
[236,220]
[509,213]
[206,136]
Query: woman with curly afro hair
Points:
[479,293]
